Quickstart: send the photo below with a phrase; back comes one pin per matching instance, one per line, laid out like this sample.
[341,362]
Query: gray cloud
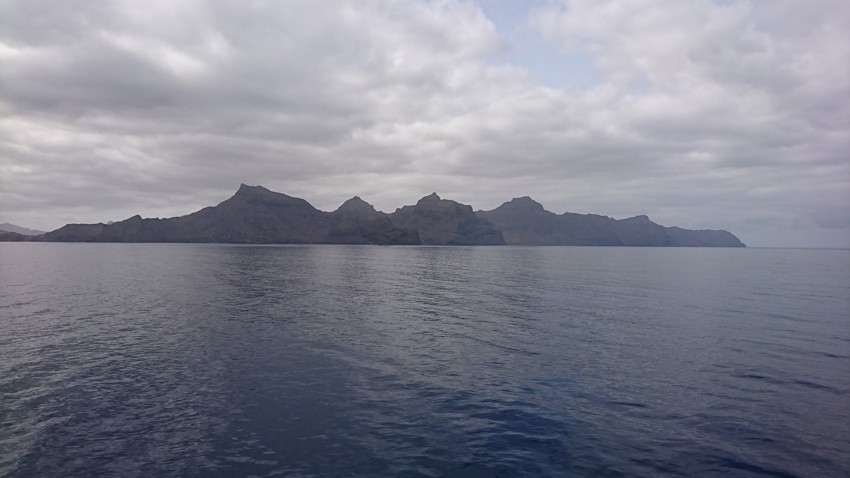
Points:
[702,115]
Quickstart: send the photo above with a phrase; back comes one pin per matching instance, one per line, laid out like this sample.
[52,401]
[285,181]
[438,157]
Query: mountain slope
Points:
[7,227]
[253,215]
[524,221]
[446,222]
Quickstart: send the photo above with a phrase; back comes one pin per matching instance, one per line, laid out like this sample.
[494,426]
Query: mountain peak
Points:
[356,203]
[447,222]
[522,205]
[357,207]
[525,203]
[244,190]
[641,219]
[431,198]
[247,196]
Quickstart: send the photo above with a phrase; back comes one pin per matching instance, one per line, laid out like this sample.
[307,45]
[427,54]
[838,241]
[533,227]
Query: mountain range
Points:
[6,227]
[256,215]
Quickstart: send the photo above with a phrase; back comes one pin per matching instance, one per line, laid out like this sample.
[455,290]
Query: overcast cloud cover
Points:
[699,113]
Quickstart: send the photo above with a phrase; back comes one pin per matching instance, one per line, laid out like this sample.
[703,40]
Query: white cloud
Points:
[702,115]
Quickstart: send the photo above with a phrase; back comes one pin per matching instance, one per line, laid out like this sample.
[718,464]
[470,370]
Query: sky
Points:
[701,114]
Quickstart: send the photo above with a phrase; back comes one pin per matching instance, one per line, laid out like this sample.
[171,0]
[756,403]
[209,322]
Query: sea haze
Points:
[225,360]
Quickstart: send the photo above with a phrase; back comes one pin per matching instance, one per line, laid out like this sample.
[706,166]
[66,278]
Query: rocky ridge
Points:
[256,215]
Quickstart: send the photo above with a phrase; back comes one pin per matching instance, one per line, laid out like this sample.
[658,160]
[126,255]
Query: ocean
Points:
[342,361]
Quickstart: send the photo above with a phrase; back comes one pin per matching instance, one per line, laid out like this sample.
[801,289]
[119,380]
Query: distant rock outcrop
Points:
[357,222]
[524,221]
[7,227]
[8,236]
[255,215]
[446,222]
[358,209]
[703,238]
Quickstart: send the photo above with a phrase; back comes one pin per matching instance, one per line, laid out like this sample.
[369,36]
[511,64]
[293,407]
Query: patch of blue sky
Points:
[525,48]
[552,68]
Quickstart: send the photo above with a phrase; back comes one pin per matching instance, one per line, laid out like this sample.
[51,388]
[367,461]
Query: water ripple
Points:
[207,360]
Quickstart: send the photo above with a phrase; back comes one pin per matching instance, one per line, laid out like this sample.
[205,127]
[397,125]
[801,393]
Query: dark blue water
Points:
[213,360]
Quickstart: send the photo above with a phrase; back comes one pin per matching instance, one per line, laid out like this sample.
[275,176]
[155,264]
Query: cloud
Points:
[737,99]
[701,114]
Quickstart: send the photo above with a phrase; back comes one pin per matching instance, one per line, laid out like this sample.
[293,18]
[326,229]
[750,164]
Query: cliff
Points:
[446,222]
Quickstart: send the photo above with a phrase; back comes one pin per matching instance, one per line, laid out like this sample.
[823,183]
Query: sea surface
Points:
[346,361]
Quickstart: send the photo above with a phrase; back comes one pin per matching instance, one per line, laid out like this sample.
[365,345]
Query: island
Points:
[256,215]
